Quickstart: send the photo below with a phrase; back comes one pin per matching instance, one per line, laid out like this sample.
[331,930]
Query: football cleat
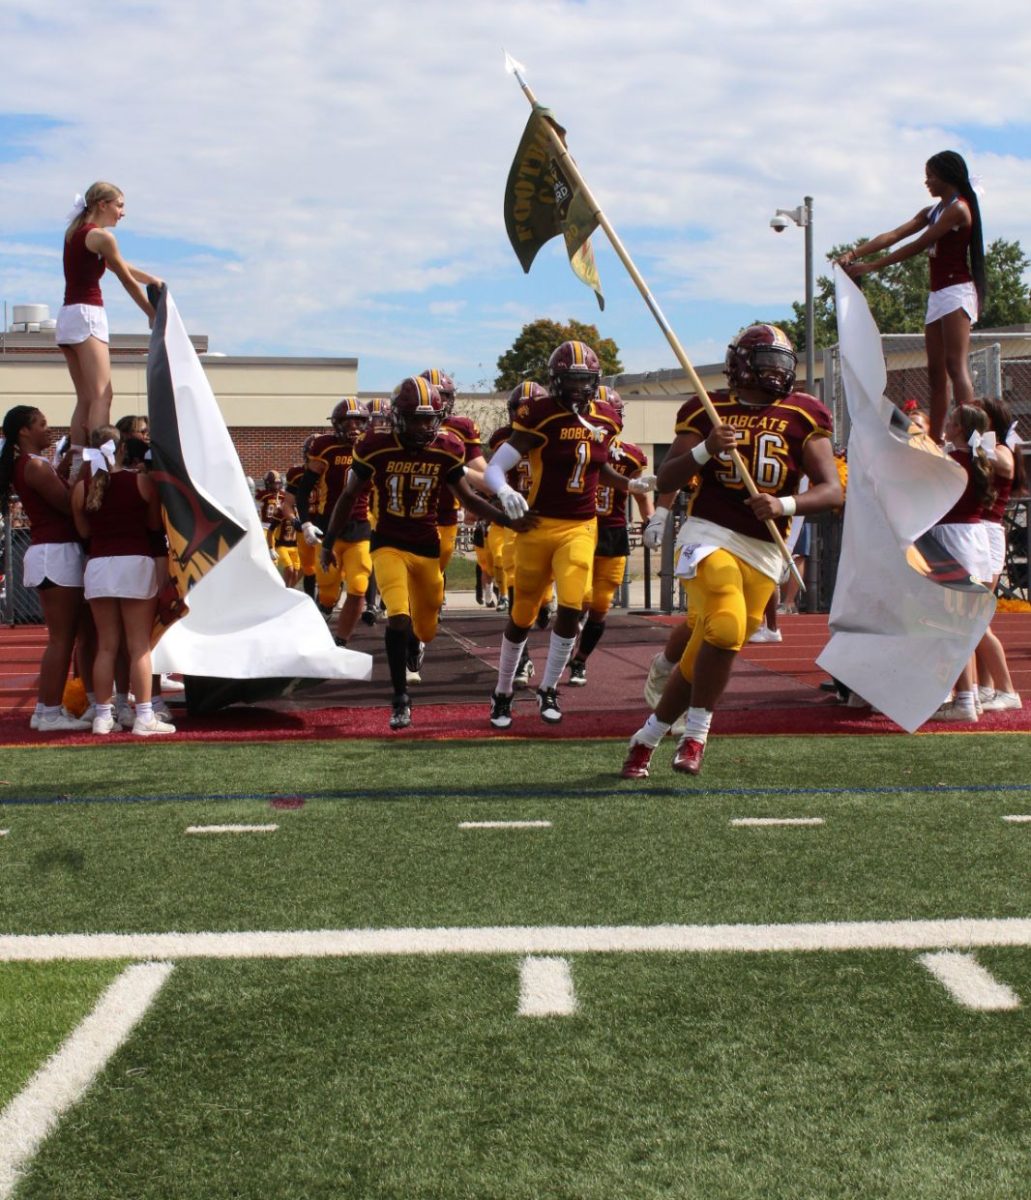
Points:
[502,604]
[413,667]
[547,702]
[765,634]
[500,710]
[638,757]
[401,712]
[524,672]
[577,672]
[368,616]
[688,757]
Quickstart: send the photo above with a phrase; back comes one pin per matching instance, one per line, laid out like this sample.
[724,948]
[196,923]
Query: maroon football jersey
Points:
[567,457]
[407,485]
[519,476]
[468,433]
[337,453]
[628,460]
[771,440]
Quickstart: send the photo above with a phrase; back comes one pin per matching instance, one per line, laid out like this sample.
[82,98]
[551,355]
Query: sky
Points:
[325,177]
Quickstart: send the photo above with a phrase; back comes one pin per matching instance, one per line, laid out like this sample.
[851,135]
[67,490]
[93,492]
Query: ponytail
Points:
[15,420]
[951,168]
[96,193]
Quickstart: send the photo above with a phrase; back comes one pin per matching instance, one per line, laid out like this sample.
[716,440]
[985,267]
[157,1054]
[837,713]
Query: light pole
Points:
[803,216]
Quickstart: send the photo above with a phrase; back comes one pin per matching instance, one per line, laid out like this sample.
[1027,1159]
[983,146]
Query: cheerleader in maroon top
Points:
[951,235]
[53,562]
[82,332]
[117,510]
[996,691]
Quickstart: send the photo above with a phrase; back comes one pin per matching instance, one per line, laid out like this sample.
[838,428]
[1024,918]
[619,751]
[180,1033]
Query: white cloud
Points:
[335,170]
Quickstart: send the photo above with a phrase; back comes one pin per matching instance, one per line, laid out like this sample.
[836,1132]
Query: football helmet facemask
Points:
[762,356]
[573,372]
[444,384]
[416,410]
[609,396]
[378,409]
[349,419]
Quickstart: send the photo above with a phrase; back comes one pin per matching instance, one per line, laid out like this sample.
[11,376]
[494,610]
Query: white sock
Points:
[698,722]
[104,711]
[559,650]
[651,732]
[963,699]
[511,652]
[144,711]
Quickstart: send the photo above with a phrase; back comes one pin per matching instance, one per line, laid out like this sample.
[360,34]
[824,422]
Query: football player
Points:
[566,435]
[613,548]
[468,433]
[726,554]
[407,468]
[269,499]
[349,564]
[306,553]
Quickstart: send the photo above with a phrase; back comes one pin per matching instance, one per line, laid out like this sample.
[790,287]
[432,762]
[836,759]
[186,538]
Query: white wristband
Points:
[700,454]
[788,505]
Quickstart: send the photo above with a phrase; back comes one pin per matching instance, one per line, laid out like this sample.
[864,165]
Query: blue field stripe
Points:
[518,791]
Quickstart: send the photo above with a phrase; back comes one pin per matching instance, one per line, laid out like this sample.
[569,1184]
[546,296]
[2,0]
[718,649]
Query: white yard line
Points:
[969,983]
[504,825]
[65,1077]
[231,828]
[546,988]
[963,933]
[1018,819]
[745,821]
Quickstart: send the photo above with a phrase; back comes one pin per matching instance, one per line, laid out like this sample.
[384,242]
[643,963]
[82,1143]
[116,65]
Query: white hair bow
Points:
[988,444]
[78,206]
[102,459]
[1013,439]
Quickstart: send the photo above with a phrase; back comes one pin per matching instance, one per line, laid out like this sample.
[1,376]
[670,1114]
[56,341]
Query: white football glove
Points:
[312,533]
[513,503]
[642,484]
[655,529]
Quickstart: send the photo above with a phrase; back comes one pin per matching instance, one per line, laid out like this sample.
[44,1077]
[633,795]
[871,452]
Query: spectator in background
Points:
[54,561]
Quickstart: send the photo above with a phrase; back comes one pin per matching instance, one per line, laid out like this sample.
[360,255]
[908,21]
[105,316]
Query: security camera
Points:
[778,223]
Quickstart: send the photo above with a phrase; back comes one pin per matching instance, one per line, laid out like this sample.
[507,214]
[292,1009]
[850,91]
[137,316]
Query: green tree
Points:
[527,357]
[897,296]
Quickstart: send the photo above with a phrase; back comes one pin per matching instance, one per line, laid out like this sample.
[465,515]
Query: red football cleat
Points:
[635,765]
[688,757]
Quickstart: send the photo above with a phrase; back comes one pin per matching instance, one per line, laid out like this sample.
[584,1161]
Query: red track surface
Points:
[774,689]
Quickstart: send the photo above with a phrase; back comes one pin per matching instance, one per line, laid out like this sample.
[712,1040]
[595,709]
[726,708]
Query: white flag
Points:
[898,636]
[243,622]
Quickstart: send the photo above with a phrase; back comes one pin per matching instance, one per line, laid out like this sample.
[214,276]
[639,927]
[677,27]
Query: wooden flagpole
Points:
[572,173]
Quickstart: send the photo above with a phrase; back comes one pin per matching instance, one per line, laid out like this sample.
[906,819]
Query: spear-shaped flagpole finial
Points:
[514,67]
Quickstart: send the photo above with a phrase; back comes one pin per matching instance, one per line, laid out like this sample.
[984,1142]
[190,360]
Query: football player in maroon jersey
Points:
[566,436]
[407,468]
[727,557]
[613,548]
[329,461]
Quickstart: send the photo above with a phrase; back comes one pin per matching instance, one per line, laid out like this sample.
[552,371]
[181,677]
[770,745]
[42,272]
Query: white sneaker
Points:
[984,694]
[655,684]
[1001,701]
[951,711]
[89,714]
[148,728]
[62,722]
[34,720]
[105,725]
[161,710]
[765,634]
[124,715]
[168,684]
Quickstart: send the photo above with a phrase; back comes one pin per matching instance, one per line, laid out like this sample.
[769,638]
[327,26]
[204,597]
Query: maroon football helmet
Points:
[762,356]
[444,384]
[522,394]
[378,409]
[349,419]
[573,372]
[609,396]
[309,441]
[416,410]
